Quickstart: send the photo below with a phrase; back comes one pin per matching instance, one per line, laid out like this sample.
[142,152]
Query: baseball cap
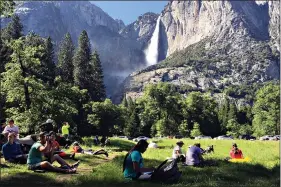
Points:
[49,121]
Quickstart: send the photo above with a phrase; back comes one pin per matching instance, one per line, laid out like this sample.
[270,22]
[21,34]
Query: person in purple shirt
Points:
[194,155]
[12,151]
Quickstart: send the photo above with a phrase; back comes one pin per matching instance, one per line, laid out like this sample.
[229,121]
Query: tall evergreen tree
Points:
[97,78]
[65,59]
[82,77]
[124,101]
[7,8]
[82,62]
[48,67]
[13,30]
[133,125]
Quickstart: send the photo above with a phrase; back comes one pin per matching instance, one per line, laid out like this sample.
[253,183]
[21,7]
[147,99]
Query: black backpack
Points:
[167,172]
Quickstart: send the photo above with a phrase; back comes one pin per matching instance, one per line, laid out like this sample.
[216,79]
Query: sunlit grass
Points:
[263,170]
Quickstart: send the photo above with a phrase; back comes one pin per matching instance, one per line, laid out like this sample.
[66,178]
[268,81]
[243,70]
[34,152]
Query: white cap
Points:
[49,121]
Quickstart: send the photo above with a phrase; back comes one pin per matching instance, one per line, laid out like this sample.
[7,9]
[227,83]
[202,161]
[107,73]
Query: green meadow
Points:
[263,170]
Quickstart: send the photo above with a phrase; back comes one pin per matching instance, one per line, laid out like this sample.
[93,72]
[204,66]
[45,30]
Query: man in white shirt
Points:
[11,128]
[177,152]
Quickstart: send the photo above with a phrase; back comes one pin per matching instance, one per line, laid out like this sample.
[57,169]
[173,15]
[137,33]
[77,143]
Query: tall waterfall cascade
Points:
[151,53]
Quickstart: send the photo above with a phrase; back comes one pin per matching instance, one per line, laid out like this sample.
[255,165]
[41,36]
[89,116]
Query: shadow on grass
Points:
[30,180]
[110,174]
[221,174]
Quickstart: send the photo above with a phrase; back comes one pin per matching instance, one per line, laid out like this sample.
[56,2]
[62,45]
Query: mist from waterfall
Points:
[151,53]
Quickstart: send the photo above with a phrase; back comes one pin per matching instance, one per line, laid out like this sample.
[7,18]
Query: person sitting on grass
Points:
[177,152]
[56,148]
[11,128]
[194,156]
[235,152]
[12,151]
[133,167]
[35,162]
[78,149]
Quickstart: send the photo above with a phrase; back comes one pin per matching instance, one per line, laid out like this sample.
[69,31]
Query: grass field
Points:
[98,171]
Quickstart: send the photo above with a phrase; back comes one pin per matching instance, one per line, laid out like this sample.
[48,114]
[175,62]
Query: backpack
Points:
[167,172]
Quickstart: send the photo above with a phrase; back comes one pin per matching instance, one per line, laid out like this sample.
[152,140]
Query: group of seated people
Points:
[133,165]
[103,141]
[47,147]
[194,154]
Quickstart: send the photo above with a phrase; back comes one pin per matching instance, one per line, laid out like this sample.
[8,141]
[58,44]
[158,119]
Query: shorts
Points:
[35,166]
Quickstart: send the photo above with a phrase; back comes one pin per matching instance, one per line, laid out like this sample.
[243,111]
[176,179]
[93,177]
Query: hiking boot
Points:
[76,164]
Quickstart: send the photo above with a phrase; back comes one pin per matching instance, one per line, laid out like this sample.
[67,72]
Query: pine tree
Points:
[124,101]
[82,62]
[65,59]
[48,67]
[7,8]
[232,113]
[196,130]
[133,126]
[97,78]
[13,30]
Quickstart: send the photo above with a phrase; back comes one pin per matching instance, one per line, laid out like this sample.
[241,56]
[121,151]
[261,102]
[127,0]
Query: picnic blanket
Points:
[246,159]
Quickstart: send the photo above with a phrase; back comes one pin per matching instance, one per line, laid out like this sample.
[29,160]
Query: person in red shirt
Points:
[57,150]
[235,152]
[78,149]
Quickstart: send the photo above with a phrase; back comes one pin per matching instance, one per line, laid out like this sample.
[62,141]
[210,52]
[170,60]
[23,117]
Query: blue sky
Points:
[128,11]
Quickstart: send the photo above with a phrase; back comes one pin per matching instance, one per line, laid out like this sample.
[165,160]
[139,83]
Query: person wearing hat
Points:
[235,152]
[35,162]
[178,153]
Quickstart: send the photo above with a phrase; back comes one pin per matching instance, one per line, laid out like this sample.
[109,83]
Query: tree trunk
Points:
[25,85]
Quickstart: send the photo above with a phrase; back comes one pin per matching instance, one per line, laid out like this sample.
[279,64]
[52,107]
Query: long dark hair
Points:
[138,147]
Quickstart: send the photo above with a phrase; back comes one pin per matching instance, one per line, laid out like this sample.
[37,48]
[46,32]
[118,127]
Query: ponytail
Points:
[138,146]
[126,156]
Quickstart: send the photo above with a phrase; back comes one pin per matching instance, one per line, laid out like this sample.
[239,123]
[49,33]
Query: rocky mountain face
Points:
[205,44]
[274,24]
[120,55]
[213,44]
[142,29]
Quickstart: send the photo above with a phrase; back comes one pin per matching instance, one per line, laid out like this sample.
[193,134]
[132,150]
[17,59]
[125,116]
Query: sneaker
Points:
[76,164]
[69,171]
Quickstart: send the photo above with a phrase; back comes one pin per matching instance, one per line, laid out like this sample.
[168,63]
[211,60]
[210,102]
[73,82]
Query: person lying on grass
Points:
[177,152]
[235,152]
[56,148]
[35,162]
[12,151]
[78,149]
[133,167]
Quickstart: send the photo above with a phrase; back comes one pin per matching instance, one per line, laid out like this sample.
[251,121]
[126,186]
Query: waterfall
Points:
[151,53]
